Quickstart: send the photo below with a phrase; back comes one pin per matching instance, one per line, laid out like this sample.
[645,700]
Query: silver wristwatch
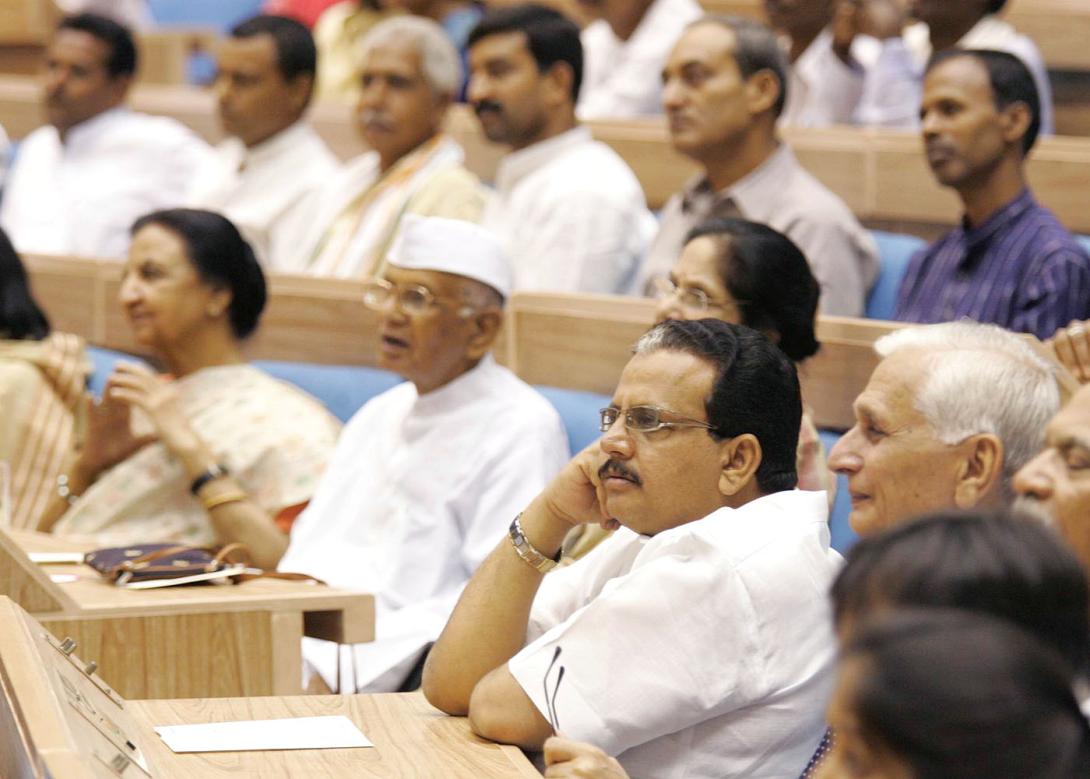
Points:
[527,551]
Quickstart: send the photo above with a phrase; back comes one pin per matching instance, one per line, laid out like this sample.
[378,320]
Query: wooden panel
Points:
[22,581]
[71,291]
[411,740]
[25,21]
[185,655]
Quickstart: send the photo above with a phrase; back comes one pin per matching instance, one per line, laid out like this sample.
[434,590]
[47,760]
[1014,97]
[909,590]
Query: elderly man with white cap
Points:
[426,475]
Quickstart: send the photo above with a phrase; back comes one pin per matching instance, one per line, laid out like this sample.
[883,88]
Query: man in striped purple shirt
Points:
[1010,262]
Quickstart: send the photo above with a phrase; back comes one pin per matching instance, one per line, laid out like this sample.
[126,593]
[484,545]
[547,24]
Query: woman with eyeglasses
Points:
[749,274]
[42,375]
[213,450]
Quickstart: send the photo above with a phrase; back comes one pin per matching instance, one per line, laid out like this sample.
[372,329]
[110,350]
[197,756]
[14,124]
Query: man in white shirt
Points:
[409,76]
[273,158]
[625,49]
[869,66]
[570,212]
[696,640]
[724,90]
[949,415]
[426,475]
[82,180]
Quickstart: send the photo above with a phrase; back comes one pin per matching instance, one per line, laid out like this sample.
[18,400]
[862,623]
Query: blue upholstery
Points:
[221,14]
[579,413]
[895,250]
[1084,240]
[342,388]
[842,534]
[102,362]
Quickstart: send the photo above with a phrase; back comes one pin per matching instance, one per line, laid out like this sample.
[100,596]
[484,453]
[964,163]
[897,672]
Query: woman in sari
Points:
[213,450]
[42,375]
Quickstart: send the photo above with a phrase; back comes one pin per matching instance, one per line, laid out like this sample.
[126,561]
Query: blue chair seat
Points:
[894,251]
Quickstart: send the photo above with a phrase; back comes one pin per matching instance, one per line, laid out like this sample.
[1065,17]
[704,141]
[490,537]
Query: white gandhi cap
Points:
[451,246]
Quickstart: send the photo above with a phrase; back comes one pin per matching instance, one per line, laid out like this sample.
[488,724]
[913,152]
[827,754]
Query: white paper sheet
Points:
[336,732]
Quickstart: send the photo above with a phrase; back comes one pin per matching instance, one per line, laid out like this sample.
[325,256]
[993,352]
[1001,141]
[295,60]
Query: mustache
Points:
[487,105]
[373,117]
[617,468]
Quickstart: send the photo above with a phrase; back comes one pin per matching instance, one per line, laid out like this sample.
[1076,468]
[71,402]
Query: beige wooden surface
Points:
[57,718]
[182,641]
[412,740]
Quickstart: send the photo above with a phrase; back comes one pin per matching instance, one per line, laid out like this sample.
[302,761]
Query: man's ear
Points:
[980,470]
[1016,119]
[558,83]
[763,89]
[486,326]
[739,459]
[301,86]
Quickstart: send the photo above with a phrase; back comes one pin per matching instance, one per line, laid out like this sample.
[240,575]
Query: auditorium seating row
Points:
[882,175]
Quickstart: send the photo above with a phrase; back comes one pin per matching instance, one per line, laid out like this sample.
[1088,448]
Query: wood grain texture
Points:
[412,741]
[182,641]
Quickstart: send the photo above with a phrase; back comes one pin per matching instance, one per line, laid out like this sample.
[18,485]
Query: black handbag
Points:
[124,565]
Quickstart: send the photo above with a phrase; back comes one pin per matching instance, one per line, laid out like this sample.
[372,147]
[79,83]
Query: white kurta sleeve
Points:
[892,89]
[652,654]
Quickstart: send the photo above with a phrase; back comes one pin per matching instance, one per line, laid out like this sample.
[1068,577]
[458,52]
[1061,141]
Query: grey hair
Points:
[757,48]
[982,379]
[440,61]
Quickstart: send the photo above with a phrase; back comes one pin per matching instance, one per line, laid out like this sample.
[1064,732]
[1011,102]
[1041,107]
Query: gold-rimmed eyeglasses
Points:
[413,299]
[663,287]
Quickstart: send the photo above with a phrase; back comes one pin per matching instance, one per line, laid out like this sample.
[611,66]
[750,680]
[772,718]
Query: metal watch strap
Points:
[527,551]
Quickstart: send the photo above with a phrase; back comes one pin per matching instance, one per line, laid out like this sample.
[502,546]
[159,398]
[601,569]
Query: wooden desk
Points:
[411,739]
[212,641]
[58,719]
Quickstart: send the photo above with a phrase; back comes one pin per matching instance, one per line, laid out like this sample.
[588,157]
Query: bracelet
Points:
[64,492]
[223,500]
[530,554]
[214,471]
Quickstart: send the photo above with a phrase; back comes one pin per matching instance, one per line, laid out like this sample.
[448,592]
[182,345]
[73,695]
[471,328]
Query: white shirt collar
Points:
[273,147]
[88,130]
[519,164]
[456,392]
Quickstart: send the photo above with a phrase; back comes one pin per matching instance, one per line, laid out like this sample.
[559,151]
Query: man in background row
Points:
[273,158]
[82,180]
[569,210]
[410,75]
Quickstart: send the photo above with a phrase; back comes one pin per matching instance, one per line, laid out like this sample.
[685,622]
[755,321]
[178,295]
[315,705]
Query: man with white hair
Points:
[409,75]
[426,475]
[949,415]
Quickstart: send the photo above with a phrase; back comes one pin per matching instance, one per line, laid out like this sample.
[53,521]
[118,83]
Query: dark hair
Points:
[221,257]
[122,59]
[756,48]
[959,695]
[551,36]
[995,6]
[764,270]
[756,390]
[20,317]
[295,51]
[1004,565]
[1011,83]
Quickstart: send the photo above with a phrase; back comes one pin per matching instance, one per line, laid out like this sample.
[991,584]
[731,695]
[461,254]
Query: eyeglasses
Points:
[644,419]
[413,299]
[663,287]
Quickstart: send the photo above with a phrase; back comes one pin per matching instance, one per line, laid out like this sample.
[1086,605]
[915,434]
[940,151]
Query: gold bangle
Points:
[222,500]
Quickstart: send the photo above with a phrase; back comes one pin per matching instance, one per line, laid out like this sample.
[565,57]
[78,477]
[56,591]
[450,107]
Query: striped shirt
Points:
[1020,269]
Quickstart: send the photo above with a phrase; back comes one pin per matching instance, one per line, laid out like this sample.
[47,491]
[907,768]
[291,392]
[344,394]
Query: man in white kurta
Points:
[570,212]
[410,73]
[696,642]
[273,157]
[423,481]
[622,76]
[79,182]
